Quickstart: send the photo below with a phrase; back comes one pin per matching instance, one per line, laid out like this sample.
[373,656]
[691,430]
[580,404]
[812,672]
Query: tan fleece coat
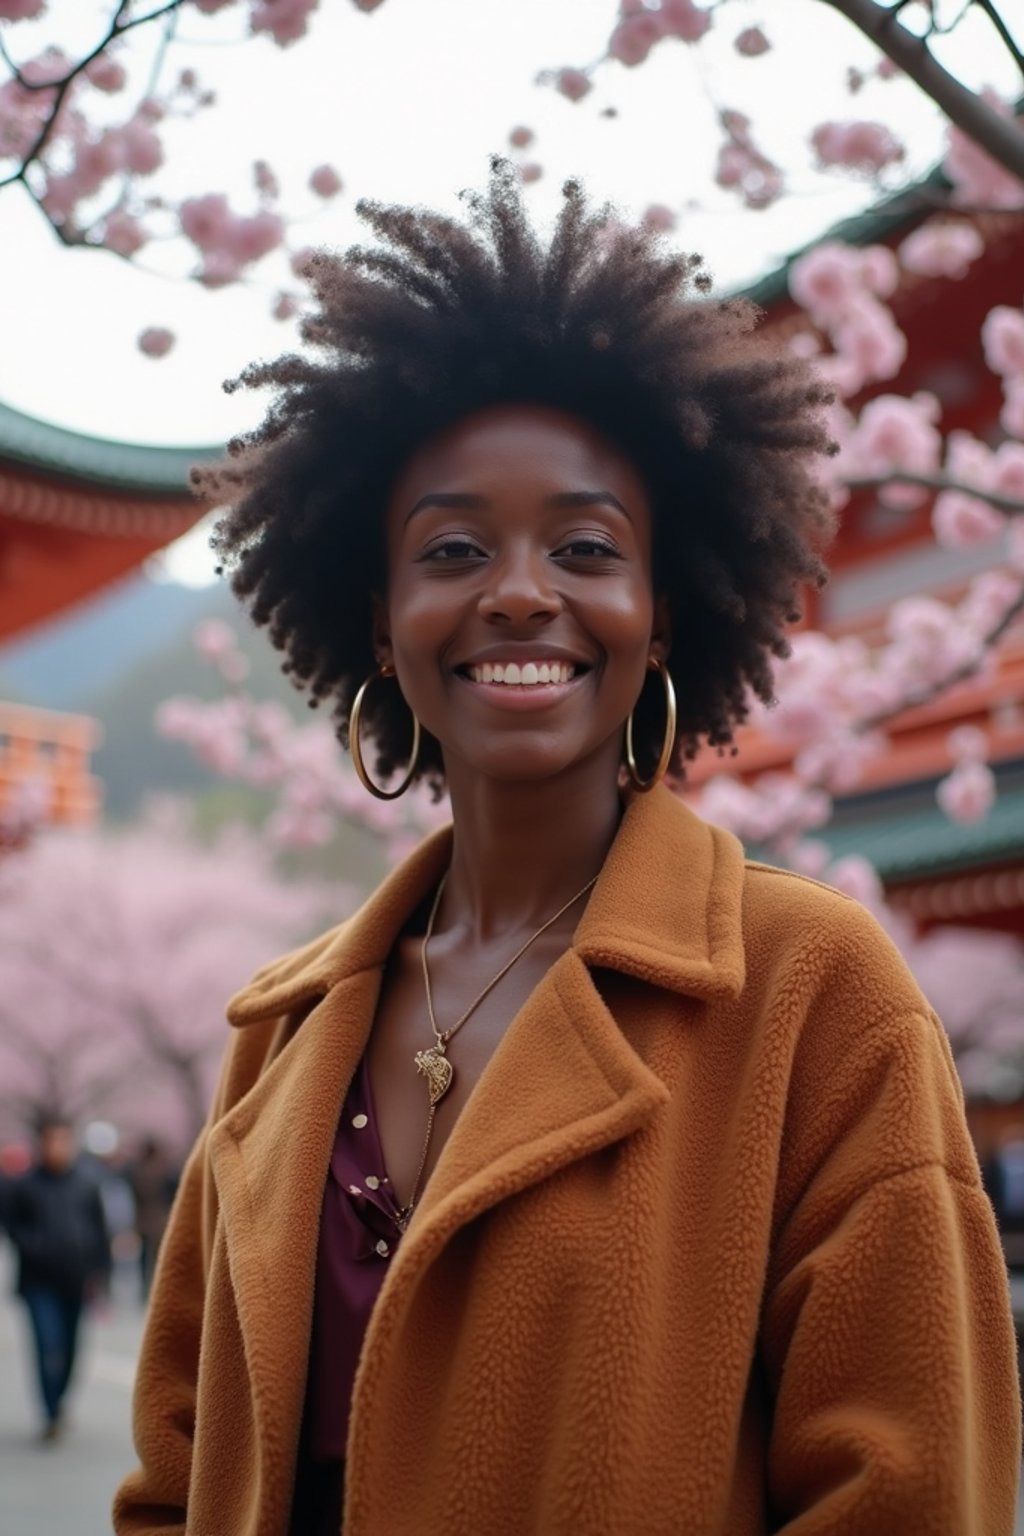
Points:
[705,1254]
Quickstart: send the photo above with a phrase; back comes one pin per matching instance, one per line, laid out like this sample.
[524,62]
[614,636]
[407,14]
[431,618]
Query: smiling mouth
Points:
[528,674]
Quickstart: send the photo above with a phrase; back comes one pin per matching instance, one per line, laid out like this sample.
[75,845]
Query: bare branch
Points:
[997,21]
[1008,504]
[998,136]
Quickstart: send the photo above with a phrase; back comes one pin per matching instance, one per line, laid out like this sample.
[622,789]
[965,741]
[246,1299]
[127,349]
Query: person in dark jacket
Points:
[55,1222]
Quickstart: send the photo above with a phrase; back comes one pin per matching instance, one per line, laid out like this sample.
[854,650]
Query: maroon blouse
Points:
[358,1235]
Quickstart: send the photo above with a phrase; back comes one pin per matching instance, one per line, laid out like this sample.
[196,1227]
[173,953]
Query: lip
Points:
[522,696]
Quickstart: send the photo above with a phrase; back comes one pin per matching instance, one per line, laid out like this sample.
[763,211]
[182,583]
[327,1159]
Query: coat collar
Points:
[666,909]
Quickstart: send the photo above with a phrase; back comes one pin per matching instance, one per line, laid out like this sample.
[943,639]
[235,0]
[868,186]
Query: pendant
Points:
[437,1070]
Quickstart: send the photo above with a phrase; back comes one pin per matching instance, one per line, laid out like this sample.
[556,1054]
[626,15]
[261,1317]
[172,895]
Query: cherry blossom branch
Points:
[1011,505]
[959,674]
[1001,137]
[117,28]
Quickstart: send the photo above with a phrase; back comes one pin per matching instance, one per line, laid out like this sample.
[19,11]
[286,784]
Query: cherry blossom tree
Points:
[118,952]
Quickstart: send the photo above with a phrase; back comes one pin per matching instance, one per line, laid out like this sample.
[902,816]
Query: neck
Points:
[521,850]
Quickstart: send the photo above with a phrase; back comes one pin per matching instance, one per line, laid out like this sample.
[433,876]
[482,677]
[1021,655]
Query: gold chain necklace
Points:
[433,1063]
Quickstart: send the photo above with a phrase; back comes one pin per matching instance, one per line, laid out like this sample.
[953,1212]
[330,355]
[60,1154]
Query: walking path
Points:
[65,1488]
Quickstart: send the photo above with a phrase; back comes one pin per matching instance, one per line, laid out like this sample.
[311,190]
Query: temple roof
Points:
[127,467]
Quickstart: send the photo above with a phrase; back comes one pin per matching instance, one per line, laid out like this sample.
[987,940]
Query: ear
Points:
[382,648]
[661,629]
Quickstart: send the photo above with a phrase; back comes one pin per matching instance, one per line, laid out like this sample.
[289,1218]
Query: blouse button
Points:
[359,1121]
[371,1181]
[383,1249]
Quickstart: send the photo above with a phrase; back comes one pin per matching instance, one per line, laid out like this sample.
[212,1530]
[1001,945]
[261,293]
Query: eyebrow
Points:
[464,500]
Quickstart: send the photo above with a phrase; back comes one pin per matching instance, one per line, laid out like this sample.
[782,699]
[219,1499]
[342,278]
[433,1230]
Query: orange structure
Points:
[77,512]
[937,870]
[44,750]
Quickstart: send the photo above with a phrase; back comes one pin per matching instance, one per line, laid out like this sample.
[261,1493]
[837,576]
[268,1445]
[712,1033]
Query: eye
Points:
[452,549]
[589,546]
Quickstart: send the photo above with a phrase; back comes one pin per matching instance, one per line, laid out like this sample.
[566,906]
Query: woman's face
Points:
[520,615]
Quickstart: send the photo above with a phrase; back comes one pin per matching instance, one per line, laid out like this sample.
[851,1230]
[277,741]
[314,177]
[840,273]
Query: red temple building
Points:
[76,513]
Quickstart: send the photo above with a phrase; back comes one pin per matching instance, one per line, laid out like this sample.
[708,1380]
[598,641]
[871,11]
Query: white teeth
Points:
[529,675]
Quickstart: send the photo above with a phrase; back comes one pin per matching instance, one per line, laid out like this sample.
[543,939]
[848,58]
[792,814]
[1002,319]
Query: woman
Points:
[589,1179]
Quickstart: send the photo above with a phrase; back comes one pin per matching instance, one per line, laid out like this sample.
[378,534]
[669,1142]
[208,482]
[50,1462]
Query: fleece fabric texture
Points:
[706,1251]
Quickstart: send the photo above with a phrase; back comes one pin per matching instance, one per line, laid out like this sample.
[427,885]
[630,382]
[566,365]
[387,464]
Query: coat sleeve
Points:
[887,1333]
[154,1498]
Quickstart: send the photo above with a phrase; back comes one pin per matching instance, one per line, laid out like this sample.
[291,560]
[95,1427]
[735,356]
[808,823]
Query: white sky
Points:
[407,103]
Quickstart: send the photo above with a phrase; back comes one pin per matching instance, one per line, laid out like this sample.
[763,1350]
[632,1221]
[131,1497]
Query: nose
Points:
[519,589]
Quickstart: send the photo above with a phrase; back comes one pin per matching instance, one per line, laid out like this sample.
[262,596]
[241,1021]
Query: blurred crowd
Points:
[83,1218]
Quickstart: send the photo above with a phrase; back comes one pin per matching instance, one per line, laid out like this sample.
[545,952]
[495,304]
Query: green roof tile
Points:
[924,842]
[154,471]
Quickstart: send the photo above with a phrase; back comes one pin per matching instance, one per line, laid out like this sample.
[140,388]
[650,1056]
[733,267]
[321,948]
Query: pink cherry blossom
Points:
[573,84]
[521,137]
[303,260]
[143,151]
[253,236]
[941,248]
[659,217]
[634,37]
[209,7]
[825,280]
[214,639]
[285,20]
[325,181]
[751,43]
[204,219]
[962,521]
[869,339]
[859,146]
[218,269]
[1008,470]
[1011,417]
[967,743]
[989,597]
[106,74]
[156,341]
[968,793]
[683,19]
[856,877]
[21,10]
[285,307]
[1002,336]
[879,270]
[530,172]
[927,642]
[1015,545]
[895,433]
[122,233]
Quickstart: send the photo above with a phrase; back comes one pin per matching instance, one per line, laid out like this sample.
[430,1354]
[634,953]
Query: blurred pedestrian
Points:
[56,1223]
[153,1182]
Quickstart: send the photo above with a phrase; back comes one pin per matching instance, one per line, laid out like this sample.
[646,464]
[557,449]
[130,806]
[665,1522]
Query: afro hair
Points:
[442,317]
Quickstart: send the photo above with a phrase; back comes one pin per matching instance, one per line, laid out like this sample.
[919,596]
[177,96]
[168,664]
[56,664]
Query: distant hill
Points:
[89,649]
[134,760]
[117,658]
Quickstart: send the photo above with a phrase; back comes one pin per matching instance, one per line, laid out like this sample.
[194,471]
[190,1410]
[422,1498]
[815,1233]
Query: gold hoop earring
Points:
[667,746]
[354,716]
